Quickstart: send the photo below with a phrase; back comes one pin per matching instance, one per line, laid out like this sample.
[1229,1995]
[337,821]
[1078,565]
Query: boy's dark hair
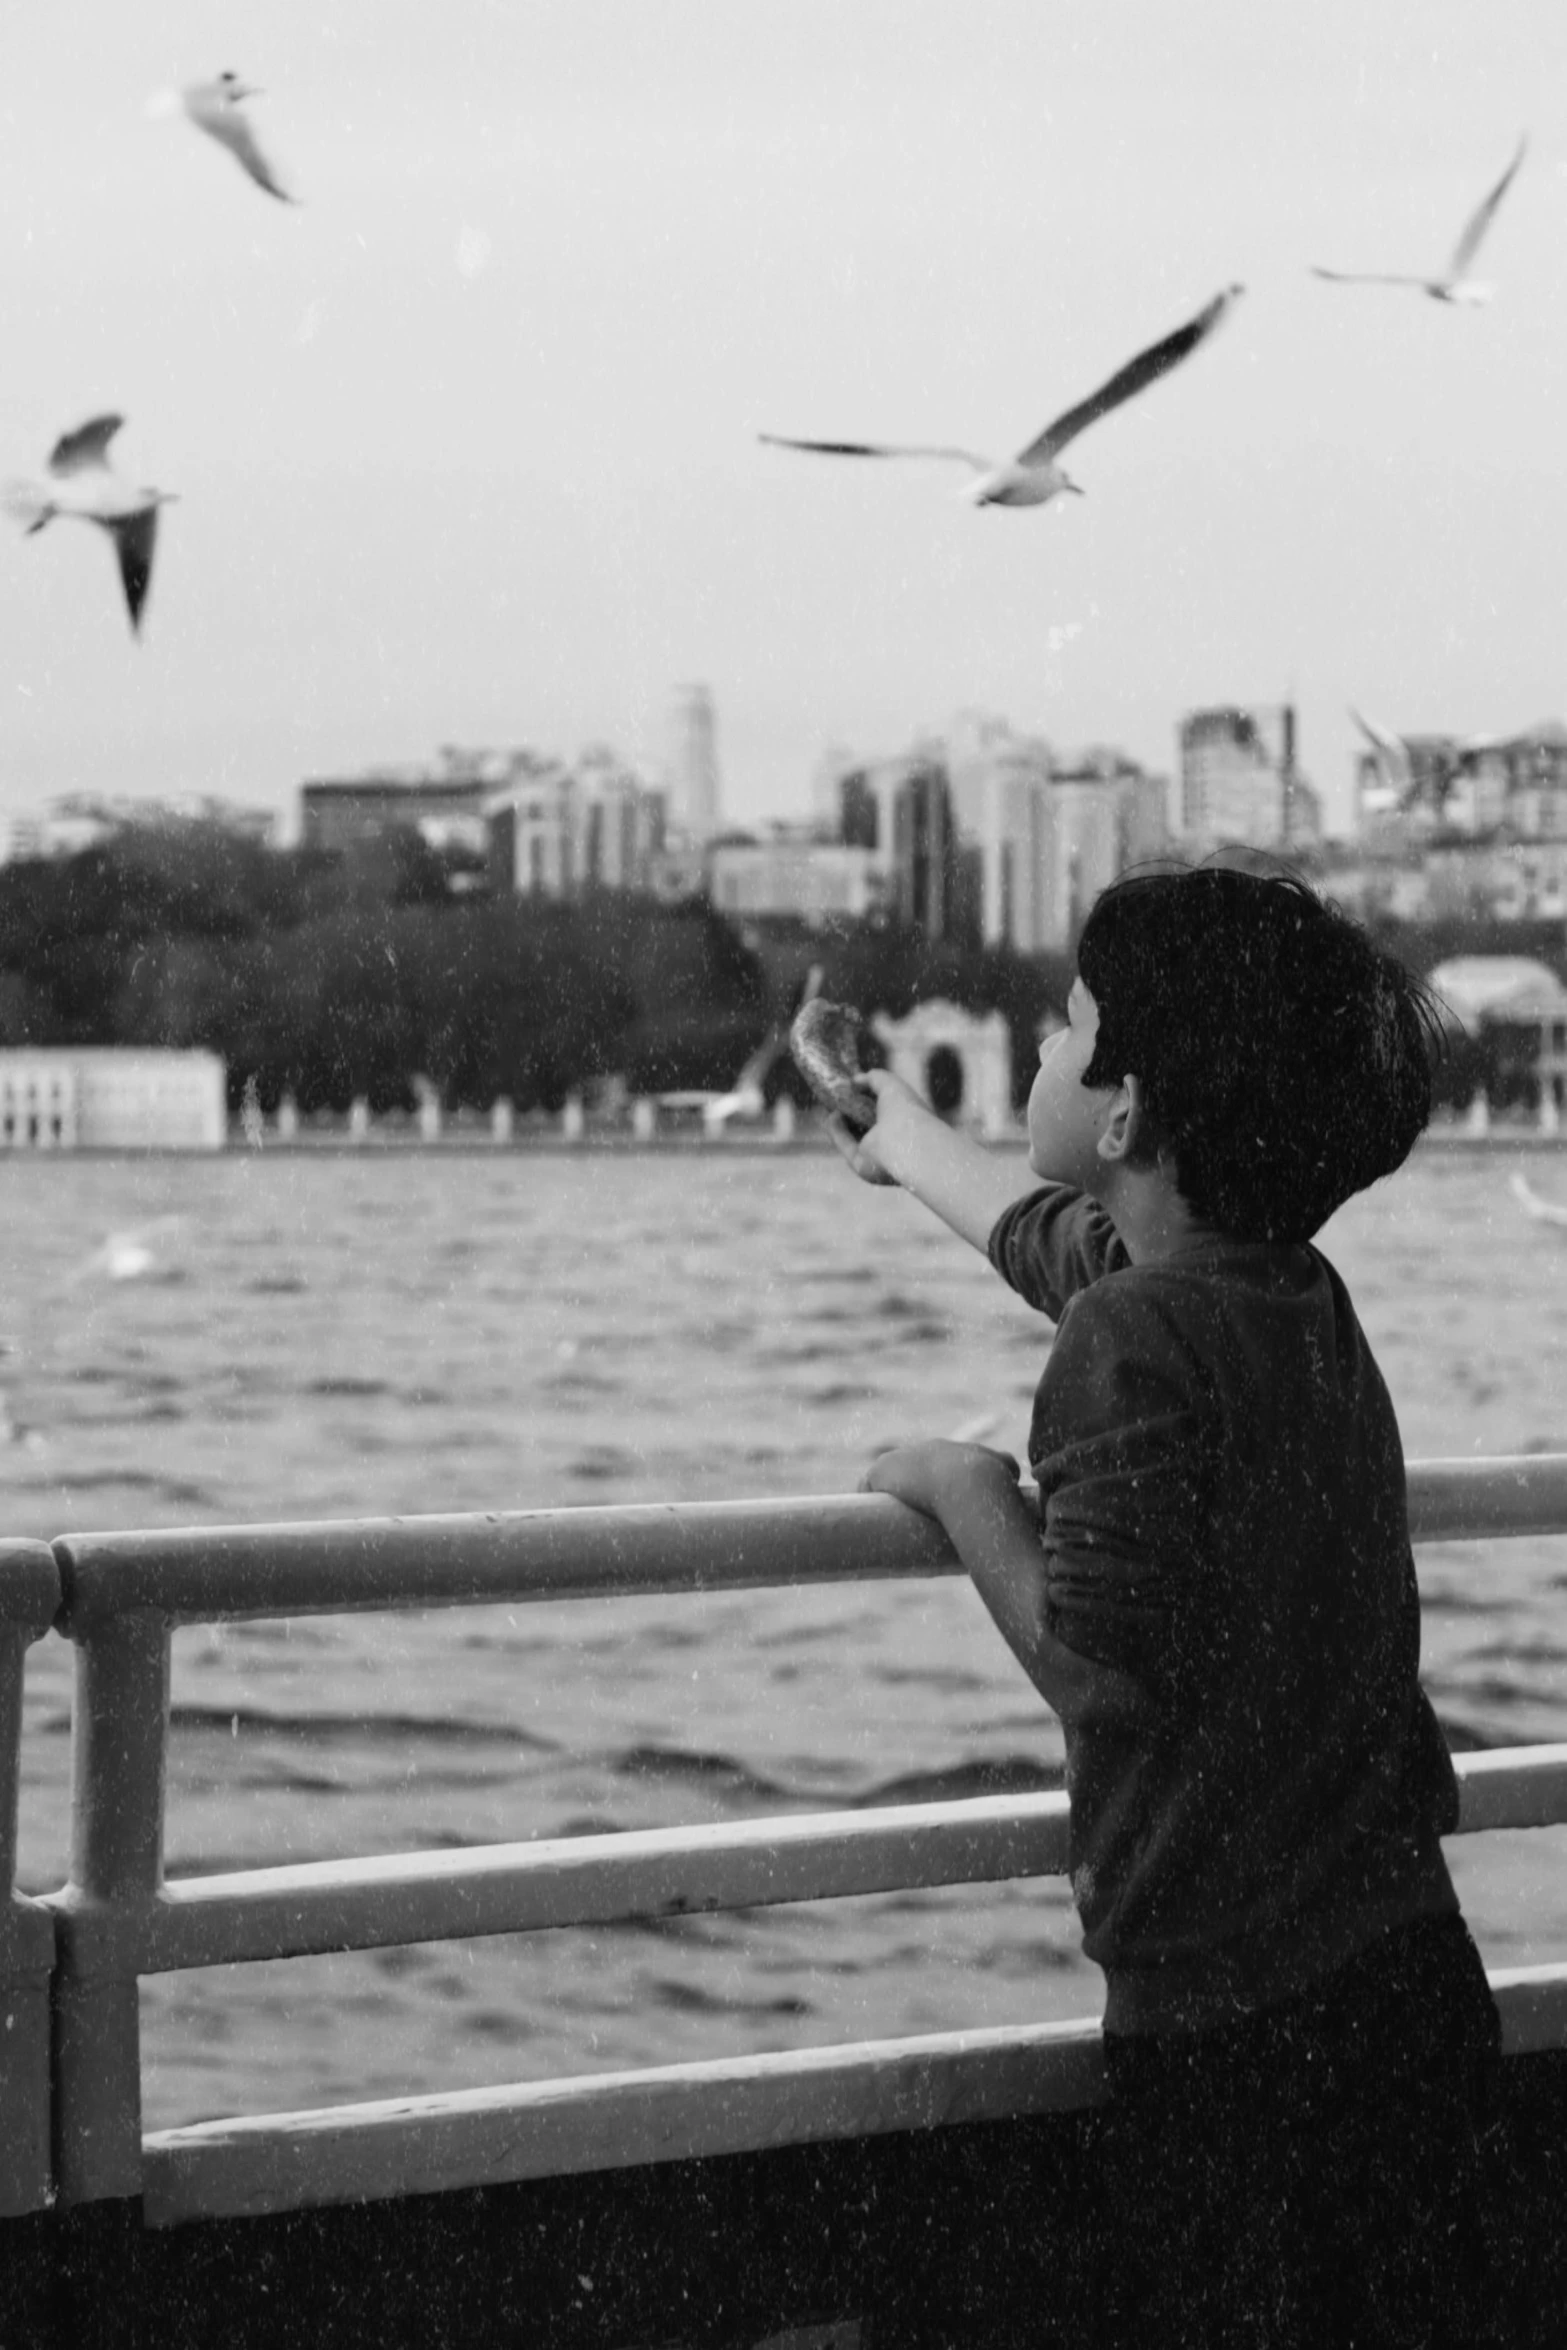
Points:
[1285,1058]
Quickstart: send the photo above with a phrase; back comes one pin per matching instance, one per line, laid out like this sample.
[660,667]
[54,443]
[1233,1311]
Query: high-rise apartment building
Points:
[620,822]
[538,826]
[901,809]
[1047,834]
[558,832]
[1001,799]
[349,812]
[1109,813]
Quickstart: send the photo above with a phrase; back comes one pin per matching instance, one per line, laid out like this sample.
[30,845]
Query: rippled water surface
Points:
[310,1334]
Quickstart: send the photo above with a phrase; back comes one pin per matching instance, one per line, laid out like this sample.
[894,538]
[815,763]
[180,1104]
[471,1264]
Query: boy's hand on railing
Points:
[992,1522]
[937,1476]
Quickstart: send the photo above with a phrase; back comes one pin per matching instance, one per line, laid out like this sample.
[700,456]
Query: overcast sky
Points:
[465,444]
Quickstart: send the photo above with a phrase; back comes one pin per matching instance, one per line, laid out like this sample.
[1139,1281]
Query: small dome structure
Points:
[960,1062]
[1510,990]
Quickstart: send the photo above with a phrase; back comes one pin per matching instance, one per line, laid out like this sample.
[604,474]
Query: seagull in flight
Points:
[1033,477]
[82,482]
[1544,1211]
[1454,284]
[1391,754]
[216,107]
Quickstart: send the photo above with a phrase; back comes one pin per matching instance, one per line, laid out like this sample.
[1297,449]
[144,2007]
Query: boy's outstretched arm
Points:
[966,1185]
[973,1493]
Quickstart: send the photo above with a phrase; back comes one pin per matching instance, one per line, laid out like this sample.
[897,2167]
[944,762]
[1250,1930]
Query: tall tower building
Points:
[693,764]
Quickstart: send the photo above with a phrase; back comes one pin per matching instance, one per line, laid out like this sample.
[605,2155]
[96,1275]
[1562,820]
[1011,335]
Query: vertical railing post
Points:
[29,1598]
[119,1741]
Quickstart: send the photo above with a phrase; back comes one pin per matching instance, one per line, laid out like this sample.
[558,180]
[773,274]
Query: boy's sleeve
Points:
[1052,1243]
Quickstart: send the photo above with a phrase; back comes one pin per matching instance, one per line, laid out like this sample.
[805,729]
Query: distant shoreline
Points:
[480,1145]
[477,1142]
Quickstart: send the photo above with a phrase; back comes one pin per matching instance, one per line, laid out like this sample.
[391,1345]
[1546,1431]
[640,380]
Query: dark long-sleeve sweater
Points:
[1258,1784]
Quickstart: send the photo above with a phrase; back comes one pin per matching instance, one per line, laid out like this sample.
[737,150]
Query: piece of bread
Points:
[827,1042]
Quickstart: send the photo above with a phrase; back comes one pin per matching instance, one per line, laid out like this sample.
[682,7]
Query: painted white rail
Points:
[611,2121]
[29,1597]
[118,1919]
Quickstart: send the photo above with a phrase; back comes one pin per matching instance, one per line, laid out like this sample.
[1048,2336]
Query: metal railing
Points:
[29,1602]
[122,1595]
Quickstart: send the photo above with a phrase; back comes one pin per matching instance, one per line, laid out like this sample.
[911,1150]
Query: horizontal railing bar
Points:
[1482,1500]
[225,1573]
[1512,1787]
[568,1881]
[398,1898]
[207,1574]
[738,2105]
[615,2121]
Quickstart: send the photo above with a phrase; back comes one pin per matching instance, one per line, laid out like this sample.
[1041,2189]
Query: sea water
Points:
[318,1334]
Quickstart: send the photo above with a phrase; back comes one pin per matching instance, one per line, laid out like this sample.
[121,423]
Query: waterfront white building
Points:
[1513,993]
[82,820]
[112,1098]
[960,1062]
[790,872]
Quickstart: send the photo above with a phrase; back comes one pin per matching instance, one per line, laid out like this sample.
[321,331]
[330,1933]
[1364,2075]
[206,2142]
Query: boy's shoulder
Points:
[1198,1301]
[1059,1248]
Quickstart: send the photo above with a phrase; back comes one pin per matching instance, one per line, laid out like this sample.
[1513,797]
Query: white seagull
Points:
[1391,753]
[216,108]
[1033,476]
[1544,1211]
[82,482]
[1454,284]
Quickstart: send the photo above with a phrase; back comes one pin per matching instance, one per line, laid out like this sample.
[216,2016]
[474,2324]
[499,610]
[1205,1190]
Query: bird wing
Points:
[134,538]
[237,135]
[1469,243]
[87,445]
[1367,277]
[875,449]
[1146,368]
[1391,751]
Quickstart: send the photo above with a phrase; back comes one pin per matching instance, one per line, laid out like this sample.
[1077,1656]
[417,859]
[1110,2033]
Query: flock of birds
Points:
[81,481]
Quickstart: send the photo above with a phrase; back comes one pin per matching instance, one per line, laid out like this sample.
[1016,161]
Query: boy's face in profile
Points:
[1065,1118]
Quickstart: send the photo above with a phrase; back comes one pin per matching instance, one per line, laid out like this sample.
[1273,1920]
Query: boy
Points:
[1217,1597]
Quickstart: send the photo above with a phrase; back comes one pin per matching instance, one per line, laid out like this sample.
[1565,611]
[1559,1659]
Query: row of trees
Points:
[322,981]
[330,978]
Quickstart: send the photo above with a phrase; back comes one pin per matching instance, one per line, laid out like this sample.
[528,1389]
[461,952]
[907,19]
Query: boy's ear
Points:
[1124,1124]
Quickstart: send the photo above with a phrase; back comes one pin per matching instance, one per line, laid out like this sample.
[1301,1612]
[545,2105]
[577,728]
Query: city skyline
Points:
[465,446]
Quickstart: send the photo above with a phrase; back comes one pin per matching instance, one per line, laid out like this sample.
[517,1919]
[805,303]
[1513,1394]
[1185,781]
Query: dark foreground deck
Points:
[978,2234]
